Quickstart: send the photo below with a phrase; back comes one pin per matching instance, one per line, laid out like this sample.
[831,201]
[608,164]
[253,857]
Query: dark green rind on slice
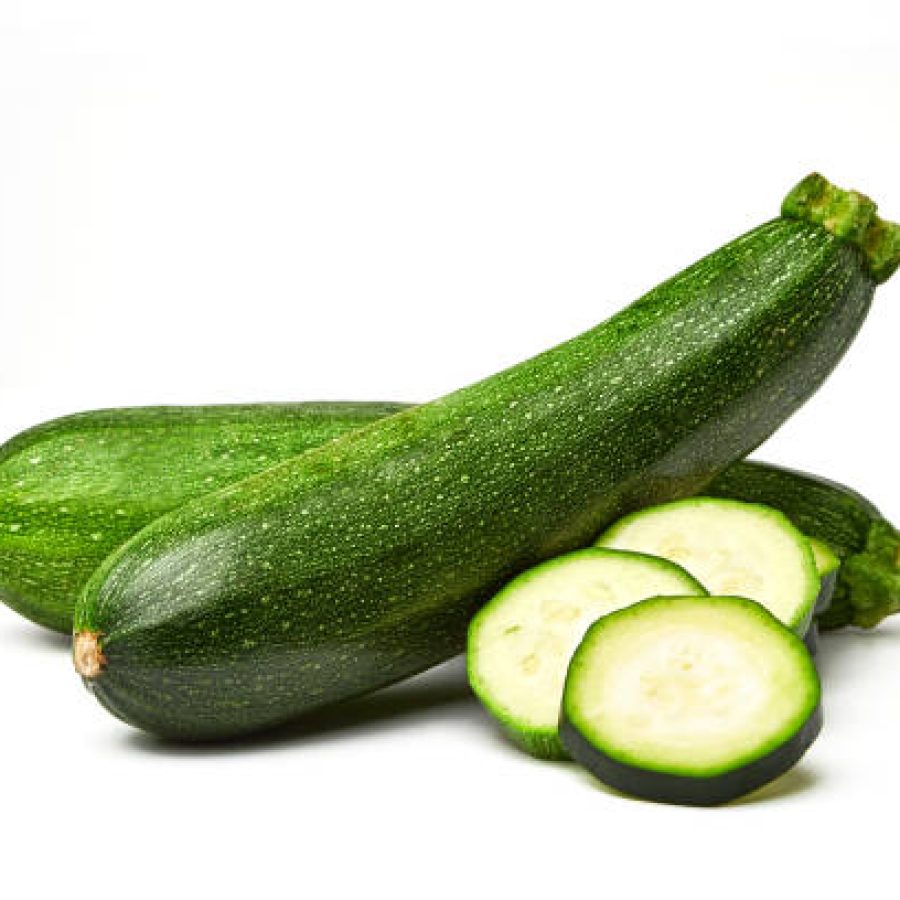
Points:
[665,784]
[684,790]
[826,595]
[112,474]
[360,563]
[827,565]
[811,639]
[868,581]
[74,489]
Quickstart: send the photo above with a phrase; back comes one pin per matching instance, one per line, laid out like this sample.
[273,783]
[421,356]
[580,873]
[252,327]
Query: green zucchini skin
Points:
[619,764]
[108,473]
[867,588]
[685,791]
[826,594]
[360,563]
[74,489]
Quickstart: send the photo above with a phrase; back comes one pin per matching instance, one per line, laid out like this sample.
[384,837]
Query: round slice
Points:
[732,549]
[520,643]
[690,700]
[827,565]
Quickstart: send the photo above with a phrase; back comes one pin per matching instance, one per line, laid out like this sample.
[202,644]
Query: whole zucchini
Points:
[103,475]
[74,489]
[868,580]
[360,562]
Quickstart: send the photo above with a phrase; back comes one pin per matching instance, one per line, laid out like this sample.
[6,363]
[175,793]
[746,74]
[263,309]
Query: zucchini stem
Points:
[868,586]
[850,216]
[87,654]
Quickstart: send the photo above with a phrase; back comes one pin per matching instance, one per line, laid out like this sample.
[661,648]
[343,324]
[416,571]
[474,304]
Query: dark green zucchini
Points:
[827,565]
[112,473]
[74,489]
[360,563]
[868,580]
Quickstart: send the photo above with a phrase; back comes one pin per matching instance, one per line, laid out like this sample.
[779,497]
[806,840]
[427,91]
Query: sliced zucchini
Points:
[811,638]
[827,565]
[520,643]
[731,548]
[690,700]
[826,560]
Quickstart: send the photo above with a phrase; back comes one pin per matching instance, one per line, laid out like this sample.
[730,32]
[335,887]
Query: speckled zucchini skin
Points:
[867,588]
[360,563]
[75,488]
[104,475]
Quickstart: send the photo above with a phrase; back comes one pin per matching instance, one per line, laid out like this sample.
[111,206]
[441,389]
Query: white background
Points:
[216,201]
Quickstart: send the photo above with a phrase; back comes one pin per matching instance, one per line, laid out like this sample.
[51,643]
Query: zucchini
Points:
[75,488]
[731,548]
[361,562]
[690,700]
[112,474]
[811,638]
[520,643]
[827,565]
[867,587]
[826,560]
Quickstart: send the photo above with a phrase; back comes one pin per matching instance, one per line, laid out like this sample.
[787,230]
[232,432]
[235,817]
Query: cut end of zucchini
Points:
[88,655]
[690,699]
[848,215]
[827,565]
[827,561]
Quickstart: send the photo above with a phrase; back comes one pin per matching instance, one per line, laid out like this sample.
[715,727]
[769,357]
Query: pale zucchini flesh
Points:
[827,565]
[519,645]
[826,560]
[732,549]
[690,700]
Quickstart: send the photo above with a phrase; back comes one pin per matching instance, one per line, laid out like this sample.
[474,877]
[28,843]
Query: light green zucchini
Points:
[732,548]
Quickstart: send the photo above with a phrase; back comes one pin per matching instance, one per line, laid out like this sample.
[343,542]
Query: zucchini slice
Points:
[825,558]
[867,588]
[731,548]
[519,645]
[361,562]
[74,489]
[827,565]
[690,700]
